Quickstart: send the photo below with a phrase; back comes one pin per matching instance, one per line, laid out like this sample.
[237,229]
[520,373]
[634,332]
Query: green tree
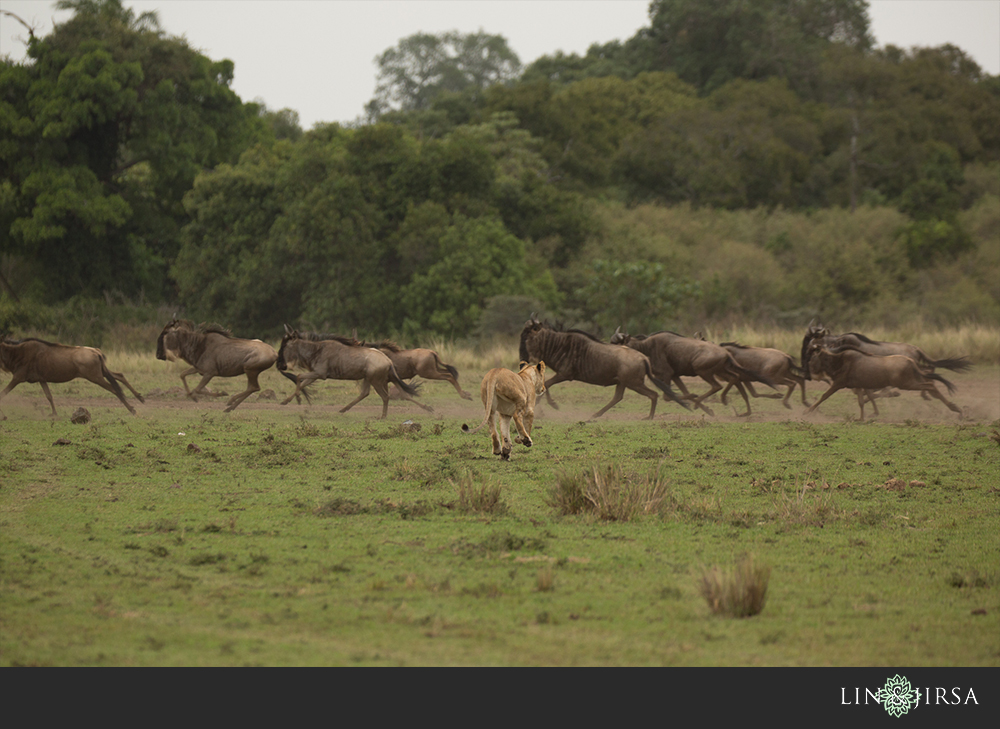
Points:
[709,43]
[477,259]
[424,65]
[638,296]
[105,127]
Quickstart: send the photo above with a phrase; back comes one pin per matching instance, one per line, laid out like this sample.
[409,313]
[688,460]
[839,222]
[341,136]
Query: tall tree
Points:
[108,123]
[711,42]
[423,66]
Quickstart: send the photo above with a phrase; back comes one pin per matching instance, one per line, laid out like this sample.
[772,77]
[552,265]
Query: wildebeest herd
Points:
[868,368]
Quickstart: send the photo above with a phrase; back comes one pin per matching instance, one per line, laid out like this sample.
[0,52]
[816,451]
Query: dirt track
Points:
[978,394]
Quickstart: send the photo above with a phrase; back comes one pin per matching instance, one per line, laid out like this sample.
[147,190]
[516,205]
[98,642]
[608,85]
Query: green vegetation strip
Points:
[278,538]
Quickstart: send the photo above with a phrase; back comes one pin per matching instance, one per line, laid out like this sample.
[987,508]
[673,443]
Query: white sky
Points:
[317,56]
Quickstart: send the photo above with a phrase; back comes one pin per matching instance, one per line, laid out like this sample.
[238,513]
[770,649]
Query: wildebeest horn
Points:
[288,330]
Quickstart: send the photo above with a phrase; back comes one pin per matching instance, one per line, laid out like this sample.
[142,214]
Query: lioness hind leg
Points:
[494,435]
[505,434]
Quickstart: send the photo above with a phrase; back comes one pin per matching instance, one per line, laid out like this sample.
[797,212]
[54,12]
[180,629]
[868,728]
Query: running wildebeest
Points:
[214,352]
[821,336]
[577,355]
[674,356]
[334,357]
[774,364]
[35,360]
[425,363]
[862,372]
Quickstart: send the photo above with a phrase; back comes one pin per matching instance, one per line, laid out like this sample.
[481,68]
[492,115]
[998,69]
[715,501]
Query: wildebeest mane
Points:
[214,329]
[322,337]
[384,344]
[588,335]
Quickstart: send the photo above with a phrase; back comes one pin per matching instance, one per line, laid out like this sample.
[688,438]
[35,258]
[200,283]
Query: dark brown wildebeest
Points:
[213,352]
[773,364]
[865,373]
[333,357]
[576,355]
[35,360]
[424,363]
[674,356]
[820,336]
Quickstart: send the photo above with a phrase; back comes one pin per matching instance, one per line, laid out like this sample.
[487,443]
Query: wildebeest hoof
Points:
[466,396]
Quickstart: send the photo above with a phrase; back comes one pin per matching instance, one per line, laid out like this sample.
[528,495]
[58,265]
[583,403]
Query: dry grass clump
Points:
[607,493]
[739,594]
[479,497]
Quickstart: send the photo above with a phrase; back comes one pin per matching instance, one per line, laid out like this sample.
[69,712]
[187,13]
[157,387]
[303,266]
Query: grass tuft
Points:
[483,497]
[607,493]
[739,594]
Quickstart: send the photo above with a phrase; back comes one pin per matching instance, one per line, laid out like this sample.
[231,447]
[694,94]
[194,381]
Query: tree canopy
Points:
[730,159]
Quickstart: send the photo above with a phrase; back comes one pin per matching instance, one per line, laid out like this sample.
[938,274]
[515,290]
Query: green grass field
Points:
[301,536]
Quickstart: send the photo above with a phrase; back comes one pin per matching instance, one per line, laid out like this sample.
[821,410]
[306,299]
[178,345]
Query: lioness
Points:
[510,395]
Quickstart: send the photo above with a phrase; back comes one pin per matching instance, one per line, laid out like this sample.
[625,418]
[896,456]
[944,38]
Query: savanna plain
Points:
[298,535]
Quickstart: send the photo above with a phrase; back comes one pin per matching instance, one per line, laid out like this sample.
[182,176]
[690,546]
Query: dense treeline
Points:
[690,174]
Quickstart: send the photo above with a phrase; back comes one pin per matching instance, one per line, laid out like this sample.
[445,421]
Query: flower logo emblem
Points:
[897,696]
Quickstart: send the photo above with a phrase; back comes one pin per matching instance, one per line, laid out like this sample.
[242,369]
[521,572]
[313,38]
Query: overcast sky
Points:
[317,56]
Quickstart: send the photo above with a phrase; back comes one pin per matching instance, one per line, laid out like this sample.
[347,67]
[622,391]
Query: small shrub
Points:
[484,497]
[739,594]
[545,580]
[607,493]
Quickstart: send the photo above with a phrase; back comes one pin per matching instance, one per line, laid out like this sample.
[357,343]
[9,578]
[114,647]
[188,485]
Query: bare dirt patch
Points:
[978,394]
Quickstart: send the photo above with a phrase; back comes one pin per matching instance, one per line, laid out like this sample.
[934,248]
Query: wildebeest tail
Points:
[441,366]
[939,378]
[665,386]
[111,378]
[404,386]
[955,364]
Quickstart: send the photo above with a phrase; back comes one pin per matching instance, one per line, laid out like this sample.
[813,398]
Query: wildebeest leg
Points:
[619,393]
[933,392]
[252,387]
[382,388]
[714,388]
[743,392]
[14,382]
[833,388]
[446,376]
[45,389]
[113,389]
[680,386]
[365,389]
[554,380]
[204,381]
[788,396]
[121,378]
[301,383]
[862,396]
[404,396]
